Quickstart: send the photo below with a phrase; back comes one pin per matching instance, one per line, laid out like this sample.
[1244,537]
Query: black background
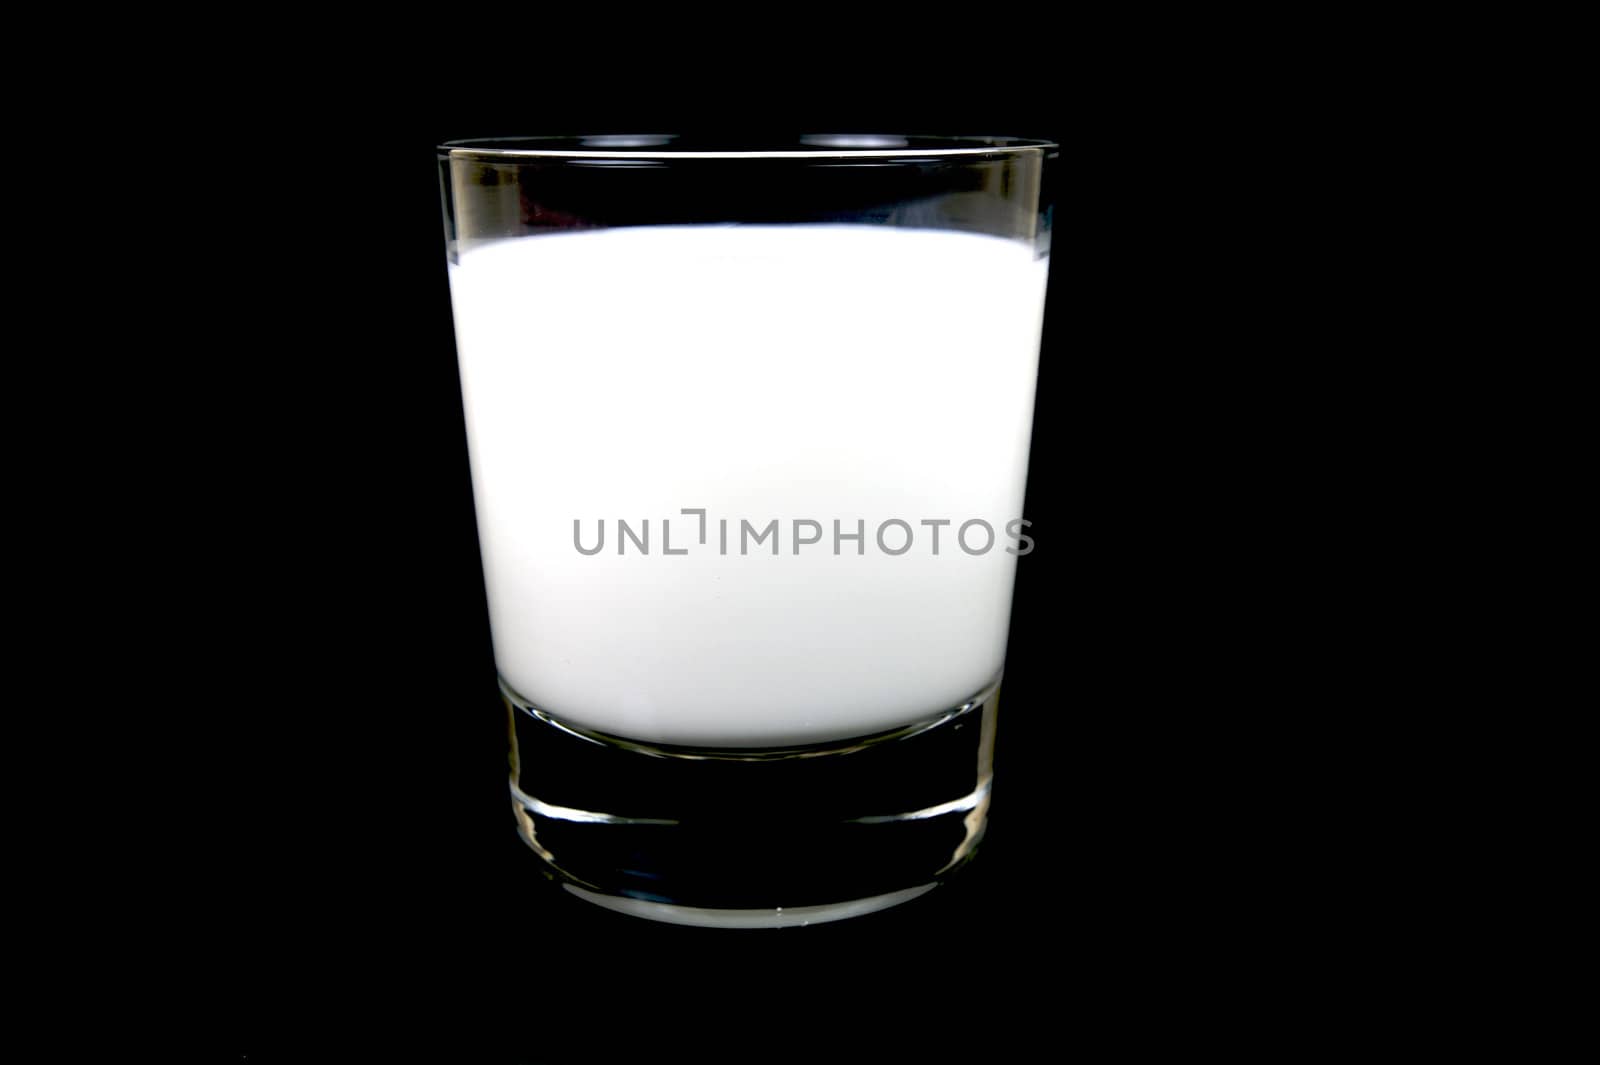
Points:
[365,870]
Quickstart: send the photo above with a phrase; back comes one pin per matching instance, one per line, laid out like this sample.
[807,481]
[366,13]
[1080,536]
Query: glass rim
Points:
[661,146]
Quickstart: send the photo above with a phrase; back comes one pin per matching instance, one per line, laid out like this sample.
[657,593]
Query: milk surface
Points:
[849,373]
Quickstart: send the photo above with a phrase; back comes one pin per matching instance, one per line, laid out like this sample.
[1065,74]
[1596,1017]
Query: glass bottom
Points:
[757,838]
[777,917]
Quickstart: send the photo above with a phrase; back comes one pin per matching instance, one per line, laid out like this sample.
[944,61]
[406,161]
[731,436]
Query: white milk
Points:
[850,373]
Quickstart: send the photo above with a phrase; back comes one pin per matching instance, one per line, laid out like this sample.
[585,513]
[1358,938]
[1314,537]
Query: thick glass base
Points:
[777,917]
[753,838]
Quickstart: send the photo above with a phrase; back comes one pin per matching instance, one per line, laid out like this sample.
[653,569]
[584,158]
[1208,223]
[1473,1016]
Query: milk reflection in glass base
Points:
[749,433]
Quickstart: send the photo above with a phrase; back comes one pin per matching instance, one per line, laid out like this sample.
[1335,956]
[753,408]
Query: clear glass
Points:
[749,432]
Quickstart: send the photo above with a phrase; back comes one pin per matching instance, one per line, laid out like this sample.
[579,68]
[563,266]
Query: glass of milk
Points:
[749,427]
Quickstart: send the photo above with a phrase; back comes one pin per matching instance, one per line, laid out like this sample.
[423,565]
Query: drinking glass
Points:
[748,426]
